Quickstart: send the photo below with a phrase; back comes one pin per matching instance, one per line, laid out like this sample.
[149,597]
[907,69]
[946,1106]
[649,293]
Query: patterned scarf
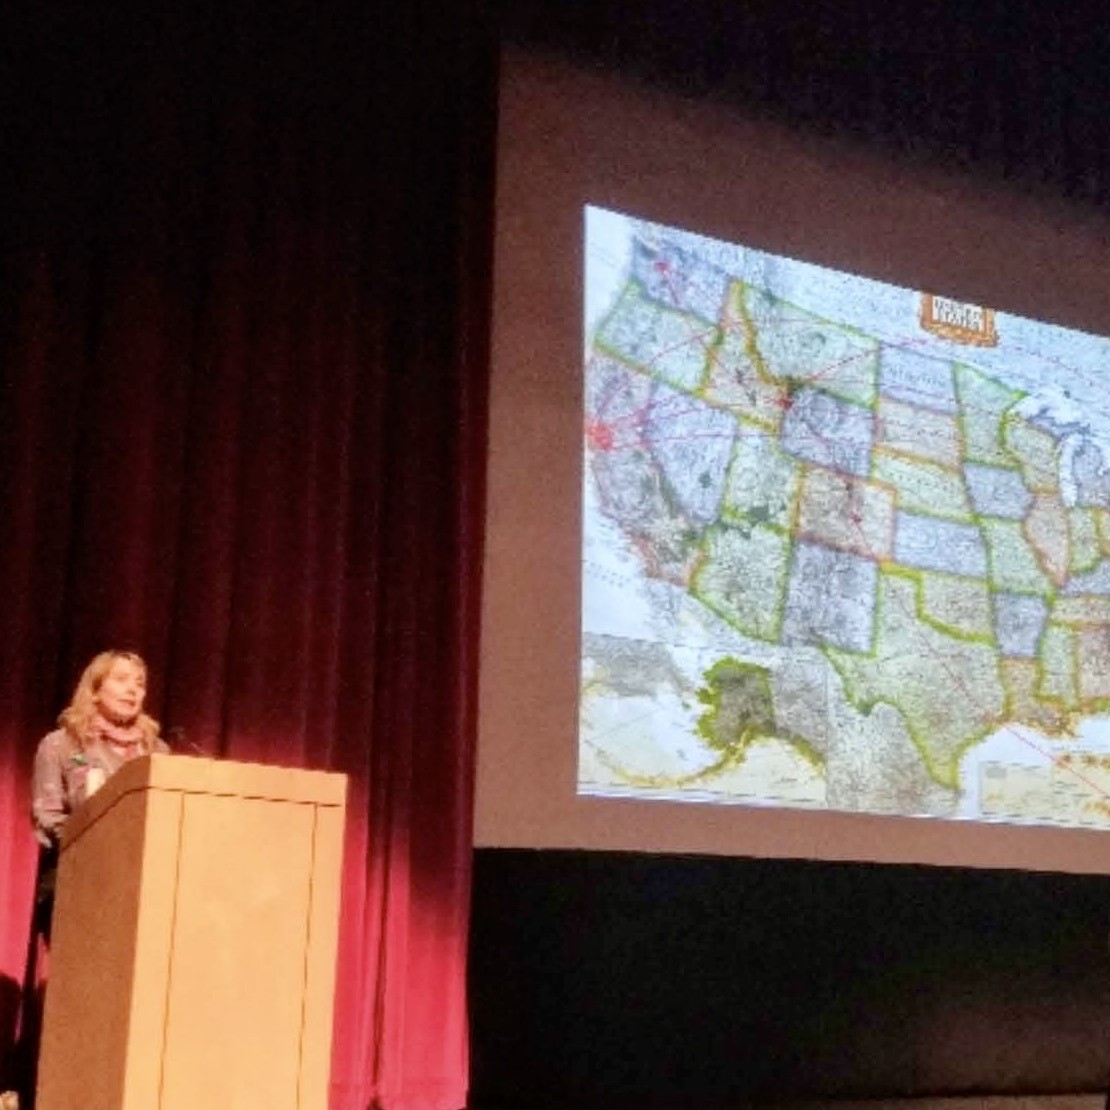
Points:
[129,739]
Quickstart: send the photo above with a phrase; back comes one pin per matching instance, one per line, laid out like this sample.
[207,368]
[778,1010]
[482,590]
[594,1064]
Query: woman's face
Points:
[121,694]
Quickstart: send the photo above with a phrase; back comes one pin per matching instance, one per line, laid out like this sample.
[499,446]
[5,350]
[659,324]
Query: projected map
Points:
[846,545]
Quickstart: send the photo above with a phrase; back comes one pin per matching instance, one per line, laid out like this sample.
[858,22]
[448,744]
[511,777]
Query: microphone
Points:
[180,743]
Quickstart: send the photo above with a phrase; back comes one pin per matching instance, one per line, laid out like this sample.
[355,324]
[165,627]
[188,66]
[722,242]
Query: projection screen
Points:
[799,506]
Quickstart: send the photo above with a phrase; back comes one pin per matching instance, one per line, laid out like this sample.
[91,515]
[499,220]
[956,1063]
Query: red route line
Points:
[724,328]
[599,433]
[600,436]
[657,411]
[651,369]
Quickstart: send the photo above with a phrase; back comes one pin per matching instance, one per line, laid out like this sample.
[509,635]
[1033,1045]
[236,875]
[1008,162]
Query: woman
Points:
[103,728]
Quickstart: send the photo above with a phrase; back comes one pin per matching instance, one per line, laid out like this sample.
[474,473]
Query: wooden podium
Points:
[194,941]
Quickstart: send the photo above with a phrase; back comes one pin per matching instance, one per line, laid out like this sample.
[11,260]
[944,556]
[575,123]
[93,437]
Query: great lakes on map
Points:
[832,558]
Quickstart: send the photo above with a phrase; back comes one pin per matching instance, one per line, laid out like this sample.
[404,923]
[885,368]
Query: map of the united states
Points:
[855,558]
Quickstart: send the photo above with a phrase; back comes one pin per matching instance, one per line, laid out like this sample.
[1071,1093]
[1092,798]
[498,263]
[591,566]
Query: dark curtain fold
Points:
[243,353]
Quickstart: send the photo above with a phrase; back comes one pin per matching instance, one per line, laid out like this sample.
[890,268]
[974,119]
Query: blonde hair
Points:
[78,716]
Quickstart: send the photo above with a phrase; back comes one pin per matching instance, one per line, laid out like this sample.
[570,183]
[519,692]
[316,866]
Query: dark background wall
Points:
[1013,89]
[610,980]
[606,979]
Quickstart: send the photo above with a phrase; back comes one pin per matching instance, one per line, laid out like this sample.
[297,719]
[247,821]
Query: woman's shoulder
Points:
[54,752]
[58,741]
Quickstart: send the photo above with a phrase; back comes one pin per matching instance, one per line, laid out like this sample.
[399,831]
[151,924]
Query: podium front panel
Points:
[237,964]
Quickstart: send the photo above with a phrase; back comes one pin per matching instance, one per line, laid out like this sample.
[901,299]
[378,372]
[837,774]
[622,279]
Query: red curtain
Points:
[242,426]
